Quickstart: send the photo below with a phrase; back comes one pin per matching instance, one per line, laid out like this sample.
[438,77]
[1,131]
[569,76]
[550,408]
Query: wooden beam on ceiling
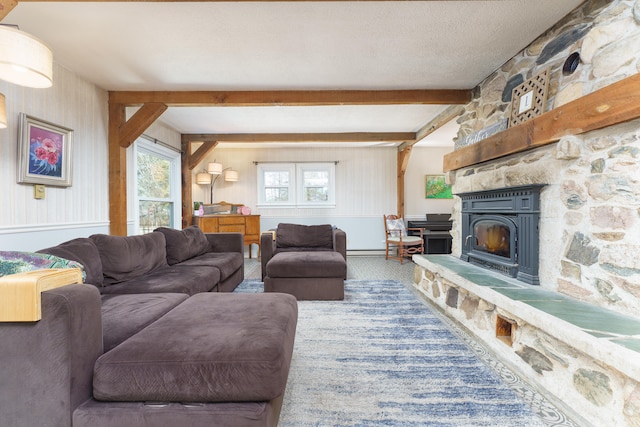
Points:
[436,123]
[139,122]
[200,153]
[298,98]
[6,6]
[303,137]
[209,1]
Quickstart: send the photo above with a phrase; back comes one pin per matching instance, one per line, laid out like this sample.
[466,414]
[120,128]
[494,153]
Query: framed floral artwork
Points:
[436,187]
[44,152]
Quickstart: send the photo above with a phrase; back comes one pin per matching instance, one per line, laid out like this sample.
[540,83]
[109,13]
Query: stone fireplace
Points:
[585,159]
[500,231]
[582,195]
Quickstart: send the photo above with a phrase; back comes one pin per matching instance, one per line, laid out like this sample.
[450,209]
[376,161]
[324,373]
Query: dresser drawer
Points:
[231,220]
[231,228]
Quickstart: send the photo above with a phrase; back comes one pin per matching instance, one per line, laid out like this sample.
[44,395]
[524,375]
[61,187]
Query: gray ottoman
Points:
[313,275]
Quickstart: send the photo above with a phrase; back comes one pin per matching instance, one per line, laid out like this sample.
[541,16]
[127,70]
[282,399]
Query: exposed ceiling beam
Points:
[436,123]
[201,152]
[293,97]
[302,137]
[6,6]
[141,120]
[204,1]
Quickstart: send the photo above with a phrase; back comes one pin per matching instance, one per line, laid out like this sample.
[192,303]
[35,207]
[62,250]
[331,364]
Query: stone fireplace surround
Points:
[575,337]
[588,267]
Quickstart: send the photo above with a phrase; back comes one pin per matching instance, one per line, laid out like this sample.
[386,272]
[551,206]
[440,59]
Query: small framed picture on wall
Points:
[44,152]
[436,187]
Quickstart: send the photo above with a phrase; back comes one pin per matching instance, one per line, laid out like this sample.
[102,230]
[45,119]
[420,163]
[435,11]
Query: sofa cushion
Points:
[184,244]
[84,251]
[227,262]
[125,315]
[311,236]
[126,257]
[211,348]
[169,279]
[307,264]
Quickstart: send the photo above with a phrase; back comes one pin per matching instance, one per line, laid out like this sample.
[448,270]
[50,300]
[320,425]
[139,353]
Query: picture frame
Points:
[45,152]
[435,187]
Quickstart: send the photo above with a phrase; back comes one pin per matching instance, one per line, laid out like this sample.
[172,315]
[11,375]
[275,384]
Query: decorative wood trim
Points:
[613,104]
[535,90]
[293,97]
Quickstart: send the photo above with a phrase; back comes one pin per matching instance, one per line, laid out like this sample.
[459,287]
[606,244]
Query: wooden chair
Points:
[397,236]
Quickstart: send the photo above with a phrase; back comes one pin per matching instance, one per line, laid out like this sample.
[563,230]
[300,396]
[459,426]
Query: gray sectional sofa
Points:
[153,338]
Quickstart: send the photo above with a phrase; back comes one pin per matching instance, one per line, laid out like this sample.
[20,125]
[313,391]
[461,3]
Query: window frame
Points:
[276,167]
[146,145]
[301,168]
[296,184]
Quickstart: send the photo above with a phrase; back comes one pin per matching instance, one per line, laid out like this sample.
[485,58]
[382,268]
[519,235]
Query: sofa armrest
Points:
[226,242]
[47,366]
[340,242]
[267,248]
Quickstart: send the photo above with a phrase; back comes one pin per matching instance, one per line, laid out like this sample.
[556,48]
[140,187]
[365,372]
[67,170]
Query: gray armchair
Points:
[308,261]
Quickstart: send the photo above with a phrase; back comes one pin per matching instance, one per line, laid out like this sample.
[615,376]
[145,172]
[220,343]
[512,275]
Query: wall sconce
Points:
[24,60]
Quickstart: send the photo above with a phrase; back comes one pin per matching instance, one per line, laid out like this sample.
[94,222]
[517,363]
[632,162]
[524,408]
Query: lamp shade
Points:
[3,112]
[24,60]
[231,175]
[214,168]
[203,178]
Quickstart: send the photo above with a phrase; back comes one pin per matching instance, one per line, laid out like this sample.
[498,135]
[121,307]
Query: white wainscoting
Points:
[34,237]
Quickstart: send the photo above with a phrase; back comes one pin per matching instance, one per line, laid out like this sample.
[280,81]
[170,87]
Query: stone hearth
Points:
[584,358]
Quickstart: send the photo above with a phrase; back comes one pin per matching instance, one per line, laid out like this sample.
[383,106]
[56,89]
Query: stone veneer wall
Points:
[590,221]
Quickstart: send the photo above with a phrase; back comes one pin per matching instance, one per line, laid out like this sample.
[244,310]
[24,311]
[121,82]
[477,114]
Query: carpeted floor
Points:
[382,358]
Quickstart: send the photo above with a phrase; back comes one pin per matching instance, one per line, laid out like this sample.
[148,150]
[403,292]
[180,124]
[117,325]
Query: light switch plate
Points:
[38,191]
[526,102]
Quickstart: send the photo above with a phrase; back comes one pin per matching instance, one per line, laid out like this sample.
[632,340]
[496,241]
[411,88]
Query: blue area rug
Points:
[382,358]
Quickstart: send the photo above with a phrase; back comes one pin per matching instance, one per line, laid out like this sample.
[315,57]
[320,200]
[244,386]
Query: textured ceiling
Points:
[178,46]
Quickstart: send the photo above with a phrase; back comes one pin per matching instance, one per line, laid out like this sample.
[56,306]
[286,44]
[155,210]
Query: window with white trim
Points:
[296,184]
[157,186]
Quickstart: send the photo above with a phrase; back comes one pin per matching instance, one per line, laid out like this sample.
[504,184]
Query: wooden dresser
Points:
[248,225]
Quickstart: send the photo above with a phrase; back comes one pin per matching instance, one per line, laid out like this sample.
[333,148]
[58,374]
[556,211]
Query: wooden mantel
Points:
[613,104]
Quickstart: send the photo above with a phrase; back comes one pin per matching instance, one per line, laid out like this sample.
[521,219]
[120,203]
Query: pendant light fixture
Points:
[24,60]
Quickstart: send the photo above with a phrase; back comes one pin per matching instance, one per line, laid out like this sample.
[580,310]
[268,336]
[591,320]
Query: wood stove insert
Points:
[500,231]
